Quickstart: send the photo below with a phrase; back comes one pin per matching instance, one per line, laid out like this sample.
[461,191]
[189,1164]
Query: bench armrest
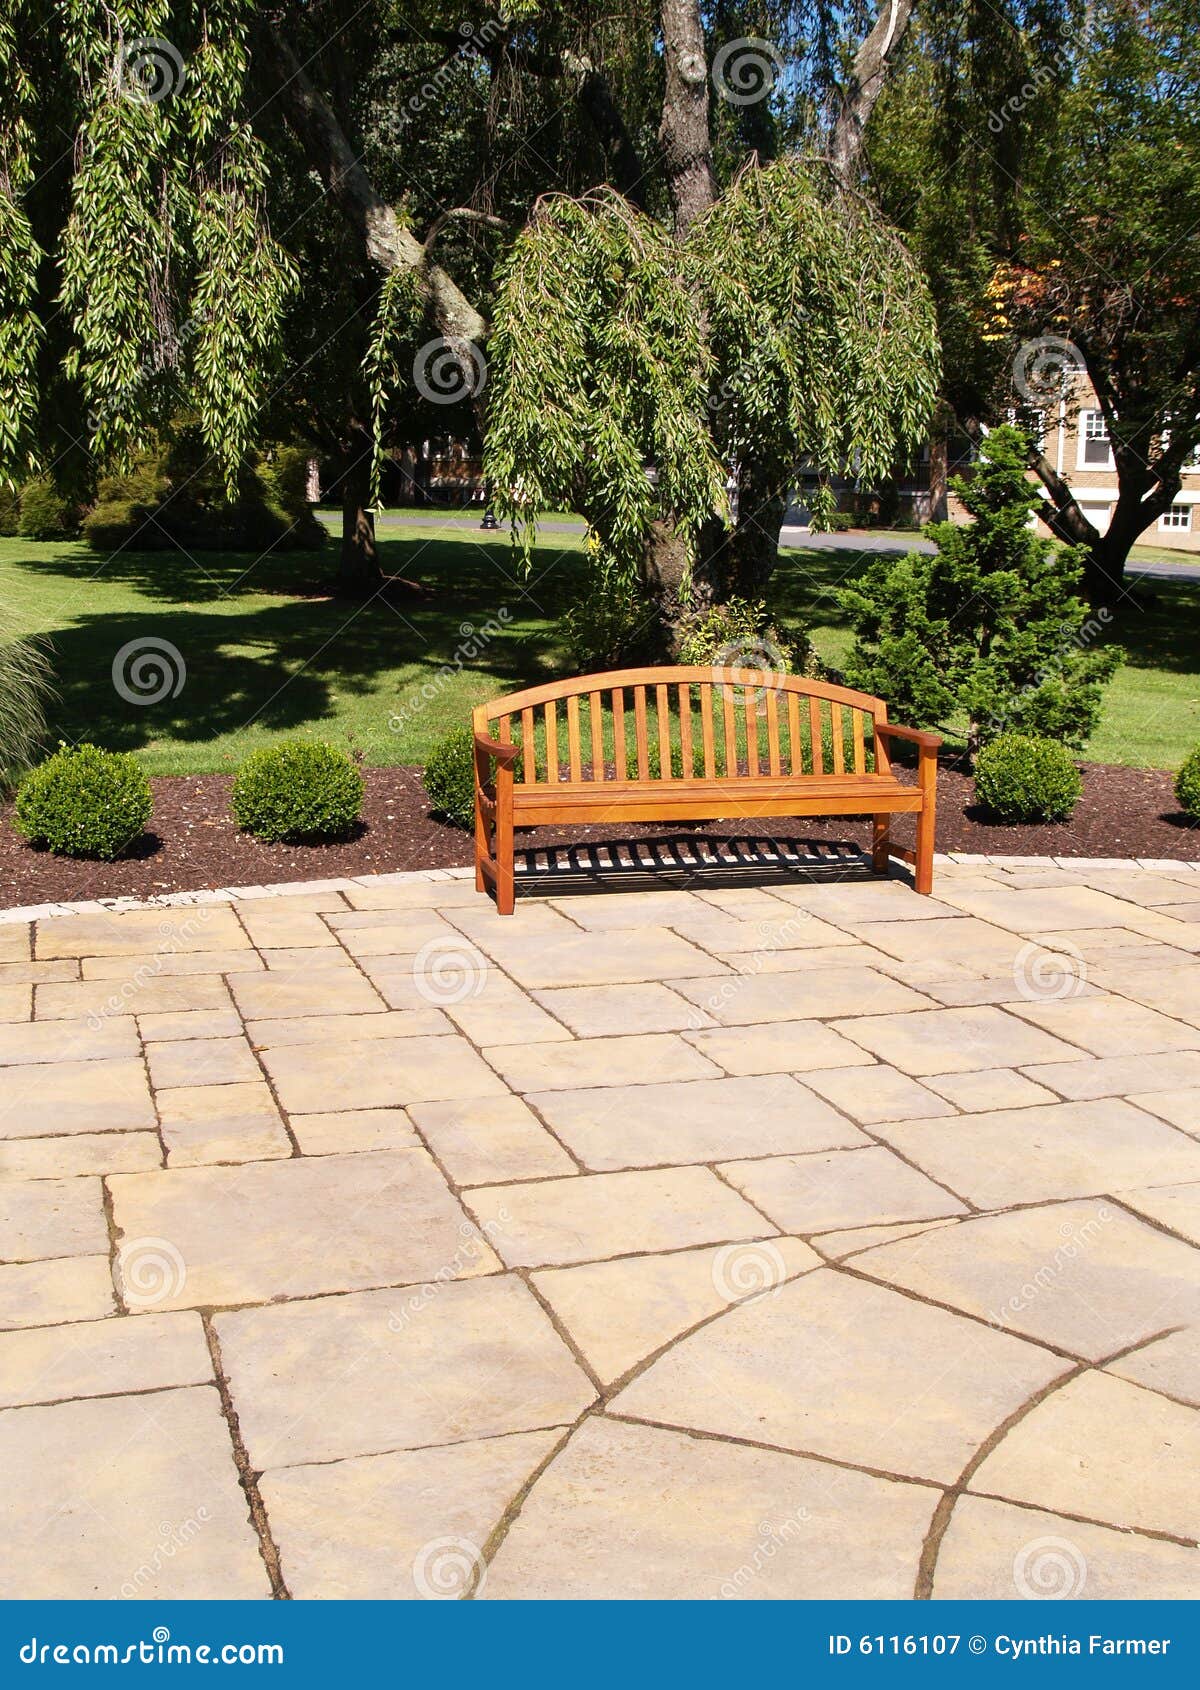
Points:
[915,736]
[505,755]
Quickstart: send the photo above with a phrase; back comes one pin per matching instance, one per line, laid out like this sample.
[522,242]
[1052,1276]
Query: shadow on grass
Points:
[283,663]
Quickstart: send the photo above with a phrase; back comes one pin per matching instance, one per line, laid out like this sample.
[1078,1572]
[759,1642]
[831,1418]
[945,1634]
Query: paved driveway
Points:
[816,1241]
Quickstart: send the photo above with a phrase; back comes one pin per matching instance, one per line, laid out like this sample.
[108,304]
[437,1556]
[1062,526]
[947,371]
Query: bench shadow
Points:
[685,861]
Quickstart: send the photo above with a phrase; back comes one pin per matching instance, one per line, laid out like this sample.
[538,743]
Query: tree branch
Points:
[871,65]
[386,243]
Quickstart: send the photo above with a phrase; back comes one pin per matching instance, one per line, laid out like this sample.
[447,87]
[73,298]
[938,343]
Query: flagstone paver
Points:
[995,1552]
[694,1121]
[157,1477]
[689,1243]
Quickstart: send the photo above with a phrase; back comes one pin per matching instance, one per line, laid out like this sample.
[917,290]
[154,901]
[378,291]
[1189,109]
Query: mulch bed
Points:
[194,843]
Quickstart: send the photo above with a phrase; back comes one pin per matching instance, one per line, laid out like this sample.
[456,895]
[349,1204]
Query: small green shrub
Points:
[740,634]
[84,802]
[1020,779]
[449,777]
[300,791]
[45,514]
[608,625]
[1187,785]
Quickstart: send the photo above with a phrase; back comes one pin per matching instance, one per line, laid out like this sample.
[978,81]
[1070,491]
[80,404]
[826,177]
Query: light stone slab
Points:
[82,1153]
[490,1140]
[1109,1026]
[783,1371]
[587,1218]
[841,1188]
[882,1095]
[640,1059]
[1085,1277]
[1171,1365]
[48,1293]
[52,1098]
[739,1000]
[334,1029]
[102,1358]
[279,995]
[1181,1108]
[1106,1449]
[1059,1150]
[298,1228]
[24,1044]
[366,933]
[994,1552]
[354,1130]
[542,960]
[779,1047]
[1110,1076]
[603,912]
[960,941]
[190,1024]
[620,1312]
[385,1370]
[158,1477]
[596,1011]
[864,904]
[637,1512]
[693,1121]
[988,1088]
[837,1246]
[142,932]
[420,1518]
[503,1015]
[51,1217]
[141,992]
[377,1074]
[1173,1206]
[953,1041]
[201,1062]
[234,1123]
[124,966]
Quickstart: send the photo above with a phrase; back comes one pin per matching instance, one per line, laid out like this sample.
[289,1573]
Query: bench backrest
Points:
[715,723]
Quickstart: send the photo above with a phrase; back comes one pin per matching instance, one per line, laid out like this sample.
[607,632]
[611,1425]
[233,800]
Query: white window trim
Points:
[1165,527]
[1081,437]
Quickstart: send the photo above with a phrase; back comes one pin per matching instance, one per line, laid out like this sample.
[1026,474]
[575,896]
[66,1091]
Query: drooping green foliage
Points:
[628,373]
[1019,778]
[989,628]
[171,287]
[598,369]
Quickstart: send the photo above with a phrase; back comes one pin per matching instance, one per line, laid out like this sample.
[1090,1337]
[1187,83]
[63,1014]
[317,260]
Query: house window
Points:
[1095,447]
[1177,517]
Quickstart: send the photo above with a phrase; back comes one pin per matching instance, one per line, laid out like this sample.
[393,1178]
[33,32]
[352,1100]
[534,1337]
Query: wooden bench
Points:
[691,745]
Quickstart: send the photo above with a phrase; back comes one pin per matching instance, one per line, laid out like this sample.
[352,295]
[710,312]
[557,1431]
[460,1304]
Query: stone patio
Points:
[812,1240]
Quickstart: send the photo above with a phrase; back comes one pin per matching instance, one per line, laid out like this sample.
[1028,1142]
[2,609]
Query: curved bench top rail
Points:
[580,685]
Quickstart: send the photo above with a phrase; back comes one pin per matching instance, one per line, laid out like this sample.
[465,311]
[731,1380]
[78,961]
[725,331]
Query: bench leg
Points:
[880,840]
[927,778]
[506,896]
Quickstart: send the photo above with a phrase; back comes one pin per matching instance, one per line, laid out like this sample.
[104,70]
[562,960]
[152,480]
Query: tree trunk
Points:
[872,63]
[359,574]
[683,132]
[939,476]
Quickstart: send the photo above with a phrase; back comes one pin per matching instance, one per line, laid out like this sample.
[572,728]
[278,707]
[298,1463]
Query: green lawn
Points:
[267,656]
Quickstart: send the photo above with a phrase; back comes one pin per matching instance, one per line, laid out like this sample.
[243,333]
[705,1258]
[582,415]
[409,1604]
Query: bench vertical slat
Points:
[574,749]
[596,710]
[528,750]
[750,709]
[795,742]
[729,726]
[553,771]
[685,729]
[860,759]
[839,739]
[773,763]
[815,734]
[642,737]
[618,716]
[663,707]
[706,731]
[883,761]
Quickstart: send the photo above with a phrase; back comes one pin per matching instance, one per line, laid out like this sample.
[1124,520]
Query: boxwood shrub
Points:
[1022,779]
[302,791]
[449,777]
[1187,785]
[84,802]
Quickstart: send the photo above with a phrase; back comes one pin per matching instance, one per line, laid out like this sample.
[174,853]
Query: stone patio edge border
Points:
[294,888]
